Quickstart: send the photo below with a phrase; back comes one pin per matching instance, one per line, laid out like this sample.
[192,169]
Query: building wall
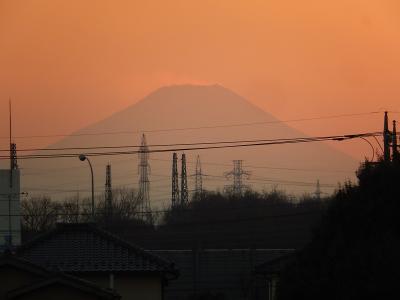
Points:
[10,208]
[144,287]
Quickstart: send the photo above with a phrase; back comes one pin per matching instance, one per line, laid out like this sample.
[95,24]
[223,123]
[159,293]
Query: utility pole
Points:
[13,166]
[13,158]
[144,182]
[386,138]
[238,175]
[184,185]
[198,191]
[395,150]
[108,194]
[175,184]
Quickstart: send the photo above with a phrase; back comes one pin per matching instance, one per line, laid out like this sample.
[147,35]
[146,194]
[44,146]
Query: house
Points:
[21,279]
[218,273]
[267,275]
[90,253]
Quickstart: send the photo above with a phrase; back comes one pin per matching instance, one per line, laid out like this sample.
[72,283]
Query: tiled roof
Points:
[86,248]
[44,277]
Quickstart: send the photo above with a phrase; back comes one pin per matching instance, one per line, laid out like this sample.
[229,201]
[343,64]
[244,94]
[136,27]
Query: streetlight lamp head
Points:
[82,157]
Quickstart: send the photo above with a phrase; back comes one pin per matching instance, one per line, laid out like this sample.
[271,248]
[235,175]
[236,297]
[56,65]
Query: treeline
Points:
[212,220]
[255,220]
[41,213]
[354,254]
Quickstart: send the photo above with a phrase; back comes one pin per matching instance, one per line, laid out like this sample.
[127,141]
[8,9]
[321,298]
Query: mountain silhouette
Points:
[191,114]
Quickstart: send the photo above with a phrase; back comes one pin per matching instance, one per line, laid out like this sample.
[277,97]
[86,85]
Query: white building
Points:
[10,225]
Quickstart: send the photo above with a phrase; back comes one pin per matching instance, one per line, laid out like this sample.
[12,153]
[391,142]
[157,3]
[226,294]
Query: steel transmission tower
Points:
[318,191]
[108,193]
[184,185]
[238,175]
[198,191]
[144,182]
[175,185]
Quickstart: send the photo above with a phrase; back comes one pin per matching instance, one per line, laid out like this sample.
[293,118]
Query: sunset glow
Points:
[67,64]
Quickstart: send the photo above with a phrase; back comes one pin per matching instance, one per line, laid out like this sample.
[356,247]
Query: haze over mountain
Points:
[173,115]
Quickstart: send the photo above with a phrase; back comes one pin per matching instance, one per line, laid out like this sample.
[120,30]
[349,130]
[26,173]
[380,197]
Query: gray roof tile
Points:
[86,248]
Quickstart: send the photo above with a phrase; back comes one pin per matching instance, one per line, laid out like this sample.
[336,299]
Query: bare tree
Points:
[69,211]
[39,213]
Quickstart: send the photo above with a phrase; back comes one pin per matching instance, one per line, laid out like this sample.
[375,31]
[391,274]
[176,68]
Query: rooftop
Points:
[86,248]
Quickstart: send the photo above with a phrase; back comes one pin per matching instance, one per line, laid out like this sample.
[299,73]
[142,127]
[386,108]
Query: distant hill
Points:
[185,108]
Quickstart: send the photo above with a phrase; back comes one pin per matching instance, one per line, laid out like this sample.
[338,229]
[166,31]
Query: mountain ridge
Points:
[168,108]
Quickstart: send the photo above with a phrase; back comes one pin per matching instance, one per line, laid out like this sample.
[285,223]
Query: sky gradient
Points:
[67,64]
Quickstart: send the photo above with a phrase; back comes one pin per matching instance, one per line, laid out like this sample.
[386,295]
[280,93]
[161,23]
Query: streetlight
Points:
[83,157]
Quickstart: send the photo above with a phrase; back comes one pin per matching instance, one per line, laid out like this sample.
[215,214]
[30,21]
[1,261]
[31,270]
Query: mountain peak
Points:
[203,113]
[193,92]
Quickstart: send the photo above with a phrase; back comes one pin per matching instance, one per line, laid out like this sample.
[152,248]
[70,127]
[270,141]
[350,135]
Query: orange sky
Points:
[69,63]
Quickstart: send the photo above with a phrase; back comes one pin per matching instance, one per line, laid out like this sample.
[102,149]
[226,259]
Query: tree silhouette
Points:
[355,251]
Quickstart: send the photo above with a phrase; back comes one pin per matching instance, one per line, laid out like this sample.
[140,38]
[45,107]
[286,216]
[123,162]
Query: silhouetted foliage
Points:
[41,213]
[355,251]
[38,213]
[215,220]
[268,219]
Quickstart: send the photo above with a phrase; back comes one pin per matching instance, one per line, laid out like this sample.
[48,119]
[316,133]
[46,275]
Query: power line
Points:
[217,146]
[266,167]
[157,145]
[197,128]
